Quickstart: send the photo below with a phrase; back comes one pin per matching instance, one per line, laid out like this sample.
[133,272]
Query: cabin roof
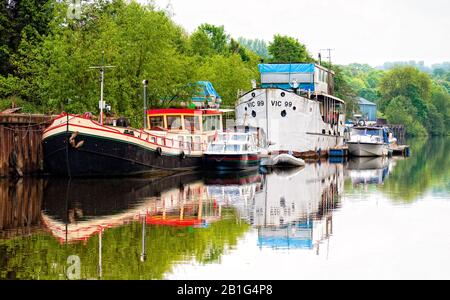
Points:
[363,101]
[291,68]
[183,111]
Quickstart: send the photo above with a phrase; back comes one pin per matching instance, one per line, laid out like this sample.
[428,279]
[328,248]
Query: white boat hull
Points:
[292,123]
[283,160]
[367,149]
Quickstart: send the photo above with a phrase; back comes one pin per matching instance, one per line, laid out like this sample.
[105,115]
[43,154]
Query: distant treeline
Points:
[47,47]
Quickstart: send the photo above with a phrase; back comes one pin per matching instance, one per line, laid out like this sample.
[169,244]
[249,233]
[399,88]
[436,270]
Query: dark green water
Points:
[365,218]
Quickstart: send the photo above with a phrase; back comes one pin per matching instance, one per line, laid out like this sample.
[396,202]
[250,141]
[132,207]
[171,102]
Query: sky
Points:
[362,31]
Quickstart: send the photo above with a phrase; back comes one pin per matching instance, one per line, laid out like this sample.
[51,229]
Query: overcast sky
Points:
[364,31]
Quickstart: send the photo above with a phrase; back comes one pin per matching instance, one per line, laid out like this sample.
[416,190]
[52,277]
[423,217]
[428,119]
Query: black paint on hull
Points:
[231,162]
[108,157]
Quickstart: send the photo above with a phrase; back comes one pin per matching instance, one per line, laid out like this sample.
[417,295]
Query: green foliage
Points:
[228,75]
[40,256]
[285,49]
[28,18]
[217,36]
[54,75]
[401,111]
[344,89]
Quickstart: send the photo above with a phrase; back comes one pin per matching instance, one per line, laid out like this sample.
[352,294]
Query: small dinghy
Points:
[282,160]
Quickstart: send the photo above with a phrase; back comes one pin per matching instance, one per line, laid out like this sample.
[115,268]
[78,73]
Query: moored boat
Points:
[232,151]
[174,139]
[368,141]
[296,108]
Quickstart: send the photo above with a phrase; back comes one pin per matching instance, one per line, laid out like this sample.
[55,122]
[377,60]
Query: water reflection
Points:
[143,228]
[299,217]
[20,206]
[368,170]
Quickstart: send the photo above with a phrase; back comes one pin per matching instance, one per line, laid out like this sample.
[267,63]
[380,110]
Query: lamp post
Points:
[145,83]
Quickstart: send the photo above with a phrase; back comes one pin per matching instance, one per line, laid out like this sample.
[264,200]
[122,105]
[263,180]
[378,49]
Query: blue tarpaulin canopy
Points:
[205,91]
[286,68]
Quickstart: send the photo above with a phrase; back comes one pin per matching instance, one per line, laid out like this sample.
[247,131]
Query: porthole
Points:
[283,94]
[253,95]
[323,131]
[294,108]
[253,114]
[245,108]
[329,132]
[283,113]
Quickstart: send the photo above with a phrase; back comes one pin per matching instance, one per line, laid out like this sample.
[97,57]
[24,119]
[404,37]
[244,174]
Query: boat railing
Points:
[187,143]
[169,142]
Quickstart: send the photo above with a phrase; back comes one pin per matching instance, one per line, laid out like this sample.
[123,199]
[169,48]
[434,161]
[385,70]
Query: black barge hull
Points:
[102,156]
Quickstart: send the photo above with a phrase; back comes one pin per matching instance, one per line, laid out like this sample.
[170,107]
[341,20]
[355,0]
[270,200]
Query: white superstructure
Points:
[299,117]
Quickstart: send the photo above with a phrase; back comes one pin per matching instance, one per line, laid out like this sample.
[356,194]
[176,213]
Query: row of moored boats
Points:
[292,115]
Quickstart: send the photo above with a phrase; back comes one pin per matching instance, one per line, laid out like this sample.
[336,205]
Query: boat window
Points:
[216,147]
[373,132]
[358,131]
[233,148]
[238,137]
[222,137]
[156,122]
[191,123]
[211,123]
[174,122]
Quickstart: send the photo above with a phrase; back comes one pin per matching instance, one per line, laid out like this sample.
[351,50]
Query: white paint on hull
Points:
[301,129]
[366,149]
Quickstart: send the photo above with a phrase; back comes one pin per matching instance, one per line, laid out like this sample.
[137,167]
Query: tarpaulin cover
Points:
[286,68]
[205,91]
[287,86]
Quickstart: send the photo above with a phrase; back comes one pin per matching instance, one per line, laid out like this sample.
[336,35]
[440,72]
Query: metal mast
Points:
[102,68]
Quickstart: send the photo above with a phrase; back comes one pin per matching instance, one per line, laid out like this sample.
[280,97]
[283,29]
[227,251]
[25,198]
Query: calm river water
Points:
[371,218]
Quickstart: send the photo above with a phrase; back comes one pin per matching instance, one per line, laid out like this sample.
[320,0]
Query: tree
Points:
[21,19]
[401,111]
[285,49]
[217,36]
[408,82]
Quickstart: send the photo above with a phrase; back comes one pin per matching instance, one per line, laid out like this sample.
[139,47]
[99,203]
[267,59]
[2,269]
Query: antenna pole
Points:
[329,54]
[102,82]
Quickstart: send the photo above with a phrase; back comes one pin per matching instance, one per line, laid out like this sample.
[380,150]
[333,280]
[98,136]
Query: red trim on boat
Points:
[182,111]
[115,131]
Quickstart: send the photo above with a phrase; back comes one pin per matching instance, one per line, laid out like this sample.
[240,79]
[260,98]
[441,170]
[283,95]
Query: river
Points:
[371,218]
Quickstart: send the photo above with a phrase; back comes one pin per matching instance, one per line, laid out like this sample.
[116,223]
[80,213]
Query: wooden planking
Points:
[20,206]
[22,133]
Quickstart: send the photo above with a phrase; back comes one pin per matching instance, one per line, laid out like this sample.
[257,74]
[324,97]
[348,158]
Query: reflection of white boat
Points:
[368,141]
[296,211]
[282,160]
[368,170]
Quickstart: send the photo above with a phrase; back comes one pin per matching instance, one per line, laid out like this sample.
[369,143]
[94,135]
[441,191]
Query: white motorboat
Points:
[368,141]
[232,151]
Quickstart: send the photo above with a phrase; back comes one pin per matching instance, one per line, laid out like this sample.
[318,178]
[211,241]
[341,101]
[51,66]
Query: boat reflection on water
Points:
[368,170]
[295,209]
[93,205]
[236,189]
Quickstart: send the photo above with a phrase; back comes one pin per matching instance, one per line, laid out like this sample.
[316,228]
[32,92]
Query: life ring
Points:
[362,123]
[159,151]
